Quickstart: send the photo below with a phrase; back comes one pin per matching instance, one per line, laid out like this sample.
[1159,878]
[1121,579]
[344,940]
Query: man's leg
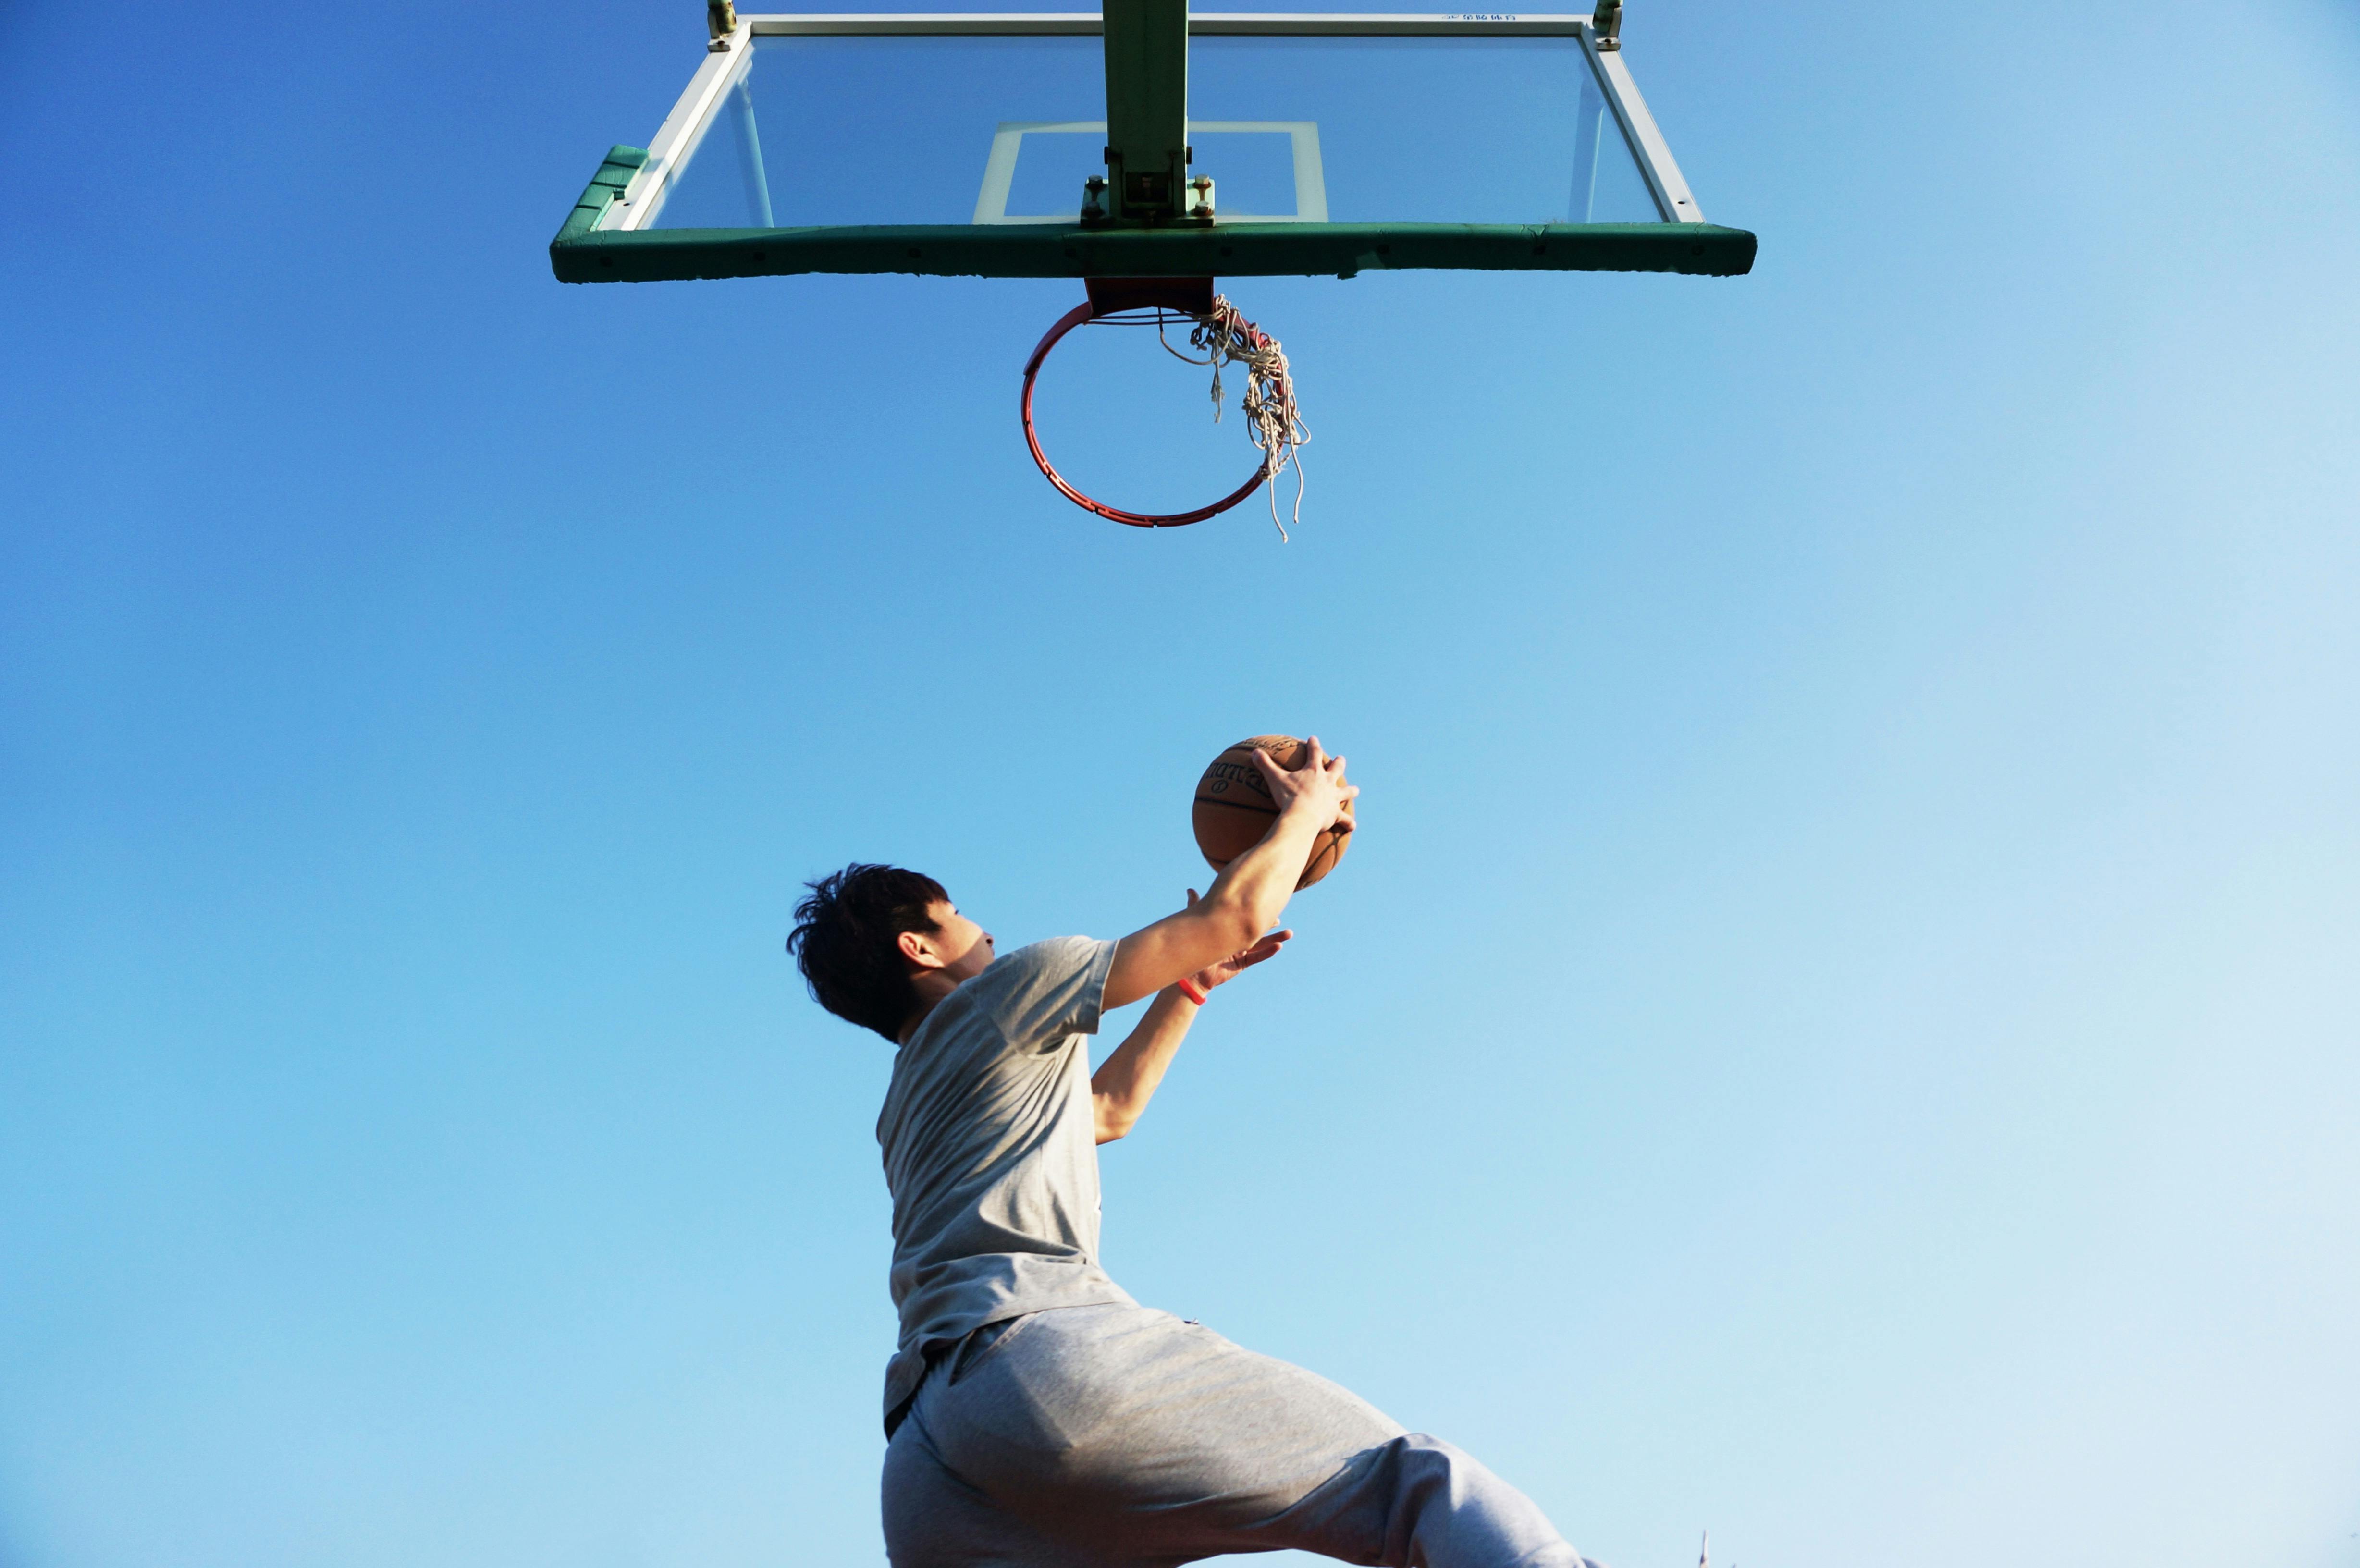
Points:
[934,1520]
[1117,1436]
[1418,1502]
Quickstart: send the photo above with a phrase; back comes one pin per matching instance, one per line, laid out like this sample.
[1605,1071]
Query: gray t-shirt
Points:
[991,1154]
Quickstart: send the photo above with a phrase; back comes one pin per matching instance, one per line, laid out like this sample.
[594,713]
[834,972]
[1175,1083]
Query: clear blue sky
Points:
[1841,1026]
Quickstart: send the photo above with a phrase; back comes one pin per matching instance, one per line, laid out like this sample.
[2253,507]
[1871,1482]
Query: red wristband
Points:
[1190,989]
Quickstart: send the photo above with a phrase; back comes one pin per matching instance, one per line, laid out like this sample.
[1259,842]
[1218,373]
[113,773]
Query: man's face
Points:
[964,946]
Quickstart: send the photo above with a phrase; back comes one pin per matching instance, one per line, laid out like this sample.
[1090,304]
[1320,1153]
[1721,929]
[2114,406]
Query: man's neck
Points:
[932,985]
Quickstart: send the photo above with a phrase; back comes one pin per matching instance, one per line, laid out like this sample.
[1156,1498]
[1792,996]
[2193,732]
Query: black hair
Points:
[845,942]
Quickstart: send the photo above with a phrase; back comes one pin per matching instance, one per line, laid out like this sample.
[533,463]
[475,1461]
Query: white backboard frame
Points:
[700,105]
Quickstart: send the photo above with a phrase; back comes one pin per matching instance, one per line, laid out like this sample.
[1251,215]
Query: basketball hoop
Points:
[1222,336]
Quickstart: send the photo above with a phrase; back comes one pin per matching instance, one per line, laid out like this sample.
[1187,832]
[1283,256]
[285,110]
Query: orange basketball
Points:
[1234,808]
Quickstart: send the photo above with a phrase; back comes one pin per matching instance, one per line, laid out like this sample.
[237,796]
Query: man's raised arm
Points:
[1247,899]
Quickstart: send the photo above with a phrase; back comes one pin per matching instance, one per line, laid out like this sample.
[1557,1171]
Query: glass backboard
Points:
[1334,143]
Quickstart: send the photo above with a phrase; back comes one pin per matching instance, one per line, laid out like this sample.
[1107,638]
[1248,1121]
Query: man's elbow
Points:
[1238,927]
[1111,1119]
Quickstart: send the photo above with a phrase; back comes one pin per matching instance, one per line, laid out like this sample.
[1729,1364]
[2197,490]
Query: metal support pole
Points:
[1589,131]
[758,179]
[1147,106]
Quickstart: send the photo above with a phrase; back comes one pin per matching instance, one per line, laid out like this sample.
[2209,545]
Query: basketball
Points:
[1234,808]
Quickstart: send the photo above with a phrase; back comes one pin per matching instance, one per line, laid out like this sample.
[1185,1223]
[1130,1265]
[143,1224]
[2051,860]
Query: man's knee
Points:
[1420,1502]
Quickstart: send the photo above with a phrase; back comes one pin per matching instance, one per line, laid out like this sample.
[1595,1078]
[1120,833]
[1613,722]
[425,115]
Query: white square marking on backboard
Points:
[1000,168]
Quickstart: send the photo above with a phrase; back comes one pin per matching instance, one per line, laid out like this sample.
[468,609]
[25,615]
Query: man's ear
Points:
[918,948]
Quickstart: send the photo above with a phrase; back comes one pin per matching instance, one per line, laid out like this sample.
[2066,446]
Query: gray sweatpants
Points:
[1119,1437]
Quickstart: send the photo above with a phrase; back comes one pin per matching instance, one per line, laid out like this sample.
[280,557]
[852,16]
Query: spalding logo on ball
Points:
[1234,808]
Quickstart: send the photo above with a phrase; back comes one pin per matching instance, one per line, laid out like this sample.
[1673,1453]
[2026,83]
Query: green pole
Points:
[1147,105]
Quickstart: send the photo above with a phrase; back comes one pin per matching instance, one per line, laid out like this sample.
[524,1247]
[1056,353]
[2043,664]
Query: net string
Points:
[1225,337]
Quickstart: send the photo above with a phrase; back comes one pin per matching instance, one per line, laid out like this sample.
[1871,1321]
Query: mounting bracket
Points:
[1606,22]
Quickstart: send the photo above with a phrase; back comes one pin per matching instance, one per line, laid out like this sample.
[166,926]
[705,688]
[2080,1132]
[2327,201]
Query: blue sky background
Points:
[1833,1030]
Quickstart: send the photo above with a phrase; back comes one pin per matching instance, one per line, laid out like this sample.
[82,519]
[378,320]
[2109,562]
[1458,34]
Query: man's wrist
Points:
[1190,989]
[1315,820]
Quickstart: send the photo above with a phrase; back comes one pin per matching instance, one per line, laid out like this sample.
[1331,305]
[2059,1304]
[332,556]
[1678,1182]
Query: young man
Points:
[1037,1417]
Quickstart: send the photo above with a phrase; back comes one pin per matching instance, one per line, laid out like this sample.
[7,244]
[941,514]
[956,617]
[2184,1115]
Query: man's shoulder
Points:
[1047,989]
[1053,965]
[1060,961]
[1023,1001]
[1055,954]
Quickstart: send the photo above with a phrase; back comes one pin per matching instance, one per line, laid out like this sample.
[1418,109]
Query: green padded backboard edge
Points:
[583,254]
